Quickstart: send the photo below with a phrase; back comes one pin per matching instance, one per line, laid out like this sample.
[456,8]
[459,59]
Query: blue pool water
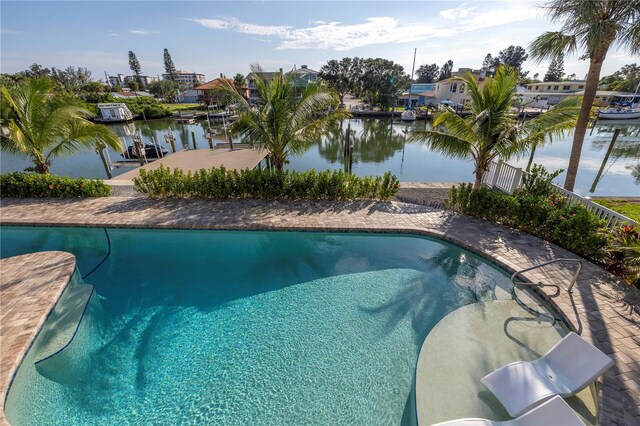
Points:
[208,327]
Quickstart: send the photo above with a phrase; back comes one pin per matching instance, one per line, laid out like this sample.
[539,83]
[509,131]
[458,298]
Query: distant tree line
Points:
[626,79]
[379,81]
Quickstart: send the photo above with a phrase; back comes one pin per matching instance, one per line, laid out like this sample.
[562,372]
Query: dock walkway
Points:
[193,160]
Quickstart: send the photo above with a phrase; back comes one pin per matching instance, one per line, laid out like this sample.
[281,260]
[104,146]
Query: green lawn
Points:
[629,208]
[182,107]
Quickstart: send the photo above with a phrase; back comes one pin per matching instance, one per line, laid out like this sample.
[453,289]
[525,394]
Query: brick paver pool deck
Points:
[602,309]
[30,285]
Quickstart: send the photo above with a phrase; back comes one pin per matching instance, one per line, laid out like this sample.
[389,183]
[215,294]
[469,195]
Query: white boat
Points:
[113,113]
[408,115]
[618,113]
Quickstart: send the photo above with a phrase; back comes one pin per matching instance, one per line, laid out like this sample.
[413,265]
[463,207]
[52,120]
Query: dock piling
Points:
[193,138]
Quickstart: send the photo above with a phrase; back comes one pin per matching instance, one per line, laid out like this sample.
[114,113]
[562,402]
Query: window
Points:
[461,87]
[548,87]
[454,87]
[556,87]
[537,87]
[566,87]
[581,86]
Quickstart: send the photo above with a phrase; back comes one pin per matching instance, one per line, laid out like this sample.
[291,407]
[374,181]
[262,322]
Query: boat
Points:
[625,110]
[618,113]
[113,113]
[186,118]
[150,151]
[409,114]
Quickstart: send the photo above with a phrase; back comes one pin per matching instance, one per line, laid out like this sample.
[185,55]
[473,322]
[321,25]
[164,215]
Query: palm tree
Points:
[283,121]
[42,131]
[592,26]
[492,131]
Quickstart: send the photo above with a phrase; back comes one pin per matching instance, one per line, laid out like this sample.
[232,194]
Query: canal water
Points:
[380,146]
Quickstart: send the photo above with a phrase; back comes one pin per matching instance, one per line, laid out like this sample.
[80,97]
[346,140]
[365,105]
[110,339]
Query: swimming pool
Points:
[244,327]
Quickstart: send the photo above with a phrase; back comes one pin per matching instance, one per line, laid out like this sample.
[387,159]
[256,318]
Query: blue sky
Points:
[225,37]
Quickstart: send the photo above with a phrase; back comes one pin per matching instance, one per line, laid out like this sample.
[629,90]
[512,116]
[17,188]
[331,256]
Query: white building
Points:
[116,80]
[146,79]
[186,79]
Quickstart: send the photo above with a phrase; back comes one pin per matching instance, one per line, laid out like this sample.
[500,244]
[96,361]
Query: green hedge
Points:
[150,106]
[30,185]
[537,210]
[220,183]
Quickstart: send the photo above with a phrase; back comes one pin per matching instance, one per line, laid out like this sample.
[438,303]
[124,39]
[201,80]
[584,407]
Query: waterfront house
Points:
[556,86]
[453,92]
[422,94]
[251,82]
[301,78]
[206,92]
[536,98]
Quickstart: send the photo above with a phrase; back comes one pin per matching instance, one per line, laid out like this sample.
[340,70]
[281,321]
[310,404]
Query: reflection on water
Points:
[380,146]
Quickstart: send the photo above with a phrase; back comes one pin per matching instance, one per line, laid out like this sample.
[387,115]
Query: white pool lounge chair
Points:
[570,366]
[553,412]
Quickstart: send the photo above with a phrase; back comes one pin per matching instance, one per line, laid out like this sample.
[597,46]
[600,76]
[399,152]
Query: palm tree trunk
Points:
[590,89]
[42,167]
[479,173]
[278,162]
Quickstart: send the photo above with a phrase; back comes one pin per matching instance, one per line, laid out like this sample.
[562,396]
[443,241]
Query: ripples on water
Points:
[379,146]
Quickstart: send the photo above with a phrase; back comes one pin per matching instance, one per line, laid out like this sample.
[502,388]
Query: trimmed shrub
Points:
[220,183]
[30,185]
[537,210]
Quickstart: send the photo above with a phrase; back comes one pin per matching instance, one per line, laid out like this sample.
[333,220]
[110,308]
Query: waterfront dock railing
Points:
[507,178]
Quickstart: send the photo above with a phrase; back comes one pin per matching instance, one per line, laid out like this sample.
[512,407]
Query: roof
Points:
[214,84]
[304,71]
[265,75]
[125,95]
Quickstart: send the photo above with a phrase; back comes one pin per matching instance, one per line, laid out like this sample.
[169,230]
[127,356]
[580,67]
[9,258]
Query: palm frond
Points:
[41,130]
[551,44]
[444,143]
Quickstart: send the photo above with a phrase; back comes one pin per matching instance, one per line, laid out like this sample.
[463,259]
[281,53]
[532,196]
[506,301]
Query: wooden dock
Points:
[193,160]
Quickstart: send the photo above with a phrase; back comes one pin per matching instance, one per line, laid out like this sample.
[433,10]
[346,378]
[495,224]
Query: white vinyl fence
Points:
[507,178]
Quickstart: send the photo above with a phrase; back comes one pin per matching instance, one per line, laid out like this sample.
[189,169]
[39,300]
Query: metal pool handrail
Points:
[540,265]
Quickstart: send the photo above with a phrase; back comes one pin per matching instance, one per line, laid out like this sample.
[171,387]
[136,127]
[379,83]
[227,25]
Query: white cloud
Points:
[233,24]
[469,18]
[330,35]
[114,34]
[462,11]
[9,31]
[341,36]
[142,32]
